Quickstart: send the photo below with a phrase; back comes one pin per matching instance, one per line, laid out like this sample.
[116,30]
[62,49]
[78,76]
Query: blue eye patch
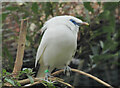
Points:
[75,23]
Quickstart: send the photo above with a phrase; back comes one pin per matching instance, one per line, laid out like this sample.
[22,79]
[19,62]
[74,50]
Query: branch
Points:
[20,48]
[37,80]
[40,80]
[86,74]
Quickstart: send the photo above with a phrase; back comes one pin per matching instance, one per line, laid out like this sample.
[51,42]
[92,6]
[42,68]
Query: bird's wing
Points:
[44,28]
[41,47]
[40,52]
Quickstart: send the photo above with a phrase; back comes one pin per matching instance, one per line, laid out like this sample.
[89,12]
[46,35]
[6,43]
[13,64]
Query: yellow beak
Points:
[85,23]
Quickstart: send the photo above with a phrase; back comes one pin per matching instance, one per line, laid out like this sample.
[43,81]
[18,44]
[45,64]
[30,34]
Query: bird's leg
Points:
[47,74]
[67,70]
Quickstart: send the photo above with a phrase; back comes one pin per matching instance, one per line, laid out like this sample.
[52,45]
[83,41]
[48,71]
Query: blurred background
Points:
[98,50]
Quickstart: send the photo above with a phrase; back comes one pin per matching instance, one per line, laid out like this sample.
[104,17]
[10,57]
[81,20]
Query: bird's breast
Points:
[62,36]
[62,44]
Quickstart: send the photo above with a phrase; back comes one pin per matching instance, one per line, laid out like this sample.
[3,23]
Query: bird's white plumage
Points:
[59,42]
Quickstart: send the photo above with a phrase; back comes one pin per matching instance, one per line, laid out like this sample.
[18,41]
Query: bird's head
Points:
[72,22]
[77,21]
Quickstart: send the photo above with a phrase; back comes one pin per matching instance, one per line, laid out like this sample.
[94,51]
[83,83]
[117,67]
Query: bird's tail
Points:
[41,71]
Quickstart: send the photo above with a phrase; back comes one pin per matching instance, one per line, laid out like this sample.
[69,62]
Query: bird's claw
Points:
[67,70]
[47,75]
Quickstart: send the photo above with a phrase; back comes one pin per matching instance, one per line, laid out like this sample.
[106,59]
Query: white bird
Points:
[58,44]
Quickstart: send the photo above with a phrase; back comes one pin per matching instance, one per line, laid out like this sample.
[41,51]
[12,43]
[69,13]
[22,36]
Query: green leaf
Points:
[31,79]
[27,71]
[102,57]
[107,29]
[48,84]
[101,44]
[7,73]
[18,84]
[91,56]
[96,34]
[35,7]
[10,81]
[105,51]
[4,71]
[88,6]
[105,15]
[110,44]
[110,5]
[99,3]
[4,15]
[12,8]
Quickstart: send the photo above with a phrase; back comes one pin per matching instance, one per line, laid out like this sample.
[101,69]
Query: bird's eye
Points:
[73,21]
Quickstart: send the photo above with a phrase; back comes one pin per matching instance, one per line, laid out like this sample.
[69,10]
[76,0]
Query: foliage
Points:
[28,72]
[88,6]
[105,35]
[8,77]
[48,84]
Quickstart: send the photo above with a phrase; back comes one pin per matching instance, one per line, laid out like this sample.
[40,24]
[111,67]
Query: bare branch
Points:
[20,48]
[86,74]
[40,80]
[61,81]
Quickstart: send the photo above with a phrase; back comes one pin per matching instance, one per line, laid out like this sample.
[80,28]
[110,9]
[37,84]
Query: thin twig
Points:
[35,83]
[39,80]
[65,83]
[25,81]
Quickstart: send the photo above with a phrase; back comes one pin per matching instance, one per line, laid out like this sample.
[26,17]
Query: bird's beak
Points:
[84,23]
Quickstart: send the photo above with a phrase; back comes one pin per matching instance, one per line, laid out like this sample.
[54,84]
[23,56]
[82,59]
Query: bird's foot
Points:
[67,70]
[47,75]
